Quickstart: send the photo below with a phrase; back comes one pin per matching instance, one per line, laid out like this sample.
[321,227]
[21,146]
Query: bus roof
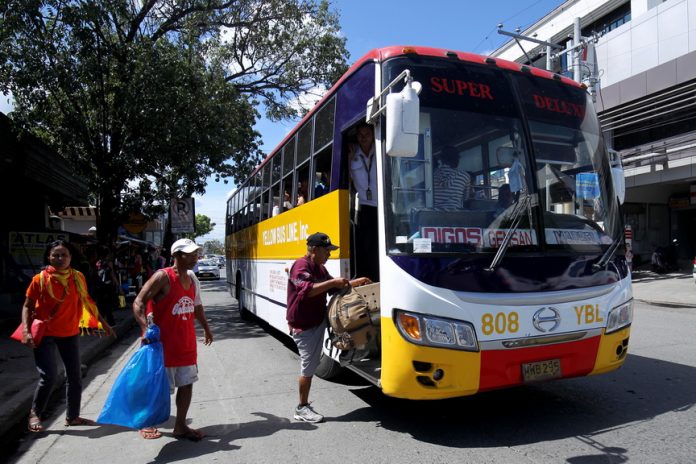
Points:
[382,54]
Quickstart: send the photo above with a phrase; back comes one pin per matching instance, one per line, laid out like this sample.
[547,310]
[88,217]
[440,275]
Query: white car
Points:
[208,269]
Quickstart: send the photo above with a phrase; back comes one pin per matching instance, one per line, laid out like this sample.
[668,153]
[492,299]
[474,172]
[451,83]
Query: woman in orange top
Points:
[57,295]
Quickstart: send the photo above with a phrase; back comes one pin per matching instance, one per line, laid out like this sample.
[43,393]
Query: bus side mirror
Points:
[403,114]
[617,174]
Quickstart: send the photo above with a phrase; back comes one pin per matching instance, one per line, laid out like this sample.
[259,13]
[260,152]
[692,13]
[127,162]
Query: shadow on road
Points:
[222,437]
[643,389]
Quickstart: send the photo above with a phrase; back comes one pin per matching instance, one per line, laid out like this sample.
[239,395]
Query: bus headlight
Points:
[435,331]
[620,317]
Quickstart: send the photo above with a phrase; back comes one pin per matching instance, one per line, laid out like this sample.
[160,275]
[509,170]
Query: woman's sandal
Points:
[79,421]
[150,433]
[35,424]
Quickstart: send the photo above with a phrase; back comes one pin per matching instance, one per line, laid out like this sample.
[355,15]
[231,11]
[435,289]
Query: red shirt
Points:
[174,314]
[306,312]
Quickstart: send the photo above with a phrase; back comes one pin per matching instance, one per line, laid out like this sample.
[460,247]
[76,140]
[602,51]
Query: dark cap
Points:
[321,240]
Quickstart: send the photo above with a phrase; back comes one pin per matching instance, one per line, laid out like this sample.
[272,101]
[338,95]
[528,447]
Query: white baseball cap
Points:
[185,245]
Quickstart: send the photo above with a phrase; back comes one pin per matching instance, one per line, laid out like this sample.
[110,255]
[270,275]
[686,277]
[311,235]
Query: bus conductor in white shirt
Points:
[363,173]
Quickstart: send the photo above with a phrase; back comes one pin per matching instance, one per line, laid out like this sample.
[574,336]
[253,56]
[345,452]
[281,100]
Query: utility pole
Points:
[517,36]
[579,44]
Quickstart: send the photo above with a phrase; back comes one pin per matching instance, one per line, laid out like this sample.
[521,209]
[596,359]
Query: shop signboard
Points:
[27,248]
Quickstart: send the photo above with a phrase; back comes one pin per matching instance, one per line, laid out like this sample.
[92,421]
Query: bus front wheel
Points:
[328,368]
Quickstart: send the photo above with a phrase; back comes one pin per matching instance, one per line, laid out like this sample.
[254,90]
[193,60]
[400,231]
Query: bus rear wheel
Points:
[244,313]
[328,368]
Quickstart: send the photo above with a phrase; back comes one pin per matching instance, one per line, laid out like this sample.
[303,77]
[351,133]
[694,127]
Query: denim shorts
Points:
[309,344]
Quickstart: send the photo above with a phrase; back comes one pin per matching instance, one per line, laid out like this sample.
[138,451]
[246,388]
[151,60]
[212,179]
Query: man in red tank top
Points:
[172,295]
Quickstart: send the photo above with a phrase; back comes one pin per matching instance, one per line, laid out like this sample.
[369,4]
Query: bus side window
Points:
[302,185]
[288,182]
[322,172]
[276,200]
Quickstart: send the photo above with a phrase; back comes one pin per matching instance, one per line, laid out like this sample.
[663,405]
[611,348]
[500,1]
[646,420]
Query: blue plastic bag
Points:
[140,395]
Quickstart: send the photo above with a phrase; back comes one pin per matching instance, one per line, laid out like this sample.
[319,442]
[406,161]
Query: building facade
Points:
[645,94]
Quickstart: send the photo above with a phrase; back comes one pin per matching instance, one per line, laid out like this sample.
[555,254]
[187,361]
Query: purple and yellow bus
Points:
[522,280]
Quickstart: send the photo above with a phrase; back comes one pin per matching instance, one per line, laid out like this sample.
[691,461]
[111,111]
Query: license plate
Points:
[541,370]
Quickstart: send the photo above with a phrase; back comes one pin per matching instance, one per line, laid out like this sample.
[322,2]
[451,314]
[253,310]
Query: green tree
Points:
[203,226]
[214,247]
[148,99]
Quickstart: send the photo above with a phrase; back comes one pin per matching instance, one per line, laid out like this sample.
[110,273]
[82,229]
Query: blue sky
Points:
[462,25]
[454,24]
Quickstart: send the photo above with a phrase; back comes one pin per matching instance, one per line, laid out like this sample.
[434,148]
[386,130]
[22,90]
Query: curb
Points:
[667,304]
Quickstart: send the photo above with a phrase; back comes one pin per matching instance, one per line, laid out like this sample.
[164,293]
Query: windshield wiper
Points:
[606,257]
[522,205]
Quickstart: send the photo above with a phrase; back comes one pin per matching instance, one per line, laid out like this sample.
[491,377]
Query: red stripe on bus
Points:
[503,368]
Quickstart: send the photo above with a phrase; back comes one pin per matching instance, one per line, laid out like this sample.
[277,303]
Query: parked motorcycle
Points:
[664,259]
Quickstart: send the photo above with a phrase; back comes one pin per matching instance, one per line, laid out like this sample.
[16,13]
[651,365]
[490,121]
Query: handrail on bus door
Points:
[374,104]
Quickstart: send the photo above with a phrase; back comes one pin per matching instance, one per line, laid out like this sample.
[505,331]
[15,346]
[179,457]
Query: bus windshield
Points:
[495,149]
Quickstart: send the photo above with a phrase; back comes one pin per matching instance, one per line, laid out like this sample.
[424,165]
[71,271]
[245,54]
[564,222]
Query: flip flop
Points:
[190,434]
[150,433]
[35,425]
[79,421]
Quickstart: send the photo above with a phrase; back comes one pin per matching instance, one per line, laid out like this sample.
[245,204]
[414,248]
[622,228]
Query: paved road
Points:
[644,413]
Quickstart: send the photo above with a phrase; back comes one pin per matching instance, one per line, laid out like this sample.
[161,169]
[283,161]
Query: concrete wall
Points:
[655,37]
[653,178]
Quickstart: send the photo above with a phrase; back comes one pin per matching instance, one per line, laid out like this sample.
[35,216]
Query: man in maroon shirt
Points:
[308,285]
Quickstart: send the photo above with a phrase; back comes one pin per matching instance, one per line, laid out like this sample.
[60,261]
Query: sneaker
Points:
[307,414]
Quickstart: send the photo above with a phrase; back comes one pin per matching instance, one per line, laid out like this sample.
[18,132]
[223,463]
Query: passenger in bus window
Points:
[282,205]
[321,186]
[451,184]
[363,173]
[286,201]
[302,192]
[308,284]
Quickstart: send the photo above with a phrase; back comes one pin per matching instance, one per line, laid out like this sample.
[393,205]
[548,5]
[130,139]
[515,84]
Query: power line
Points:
[511,18]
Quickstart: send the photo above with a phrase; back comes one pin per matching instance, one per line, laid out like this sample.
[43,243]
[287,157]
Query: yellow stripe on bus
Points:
[284,236]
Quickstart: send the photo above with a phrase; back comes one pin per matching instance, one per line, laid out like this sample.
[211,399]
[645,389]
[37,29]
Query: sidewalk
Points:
[18,375]
[676,289]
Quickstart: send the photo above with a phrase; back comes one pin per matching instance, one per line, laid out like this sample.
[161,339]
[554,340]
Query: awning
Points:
[78,212]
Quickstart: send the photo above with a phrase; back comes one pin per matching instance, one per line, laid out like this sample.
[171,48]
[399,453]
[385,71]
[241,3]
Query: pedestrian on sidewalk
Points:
[173,296]
[106,285]
[308,284]
[57,295]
